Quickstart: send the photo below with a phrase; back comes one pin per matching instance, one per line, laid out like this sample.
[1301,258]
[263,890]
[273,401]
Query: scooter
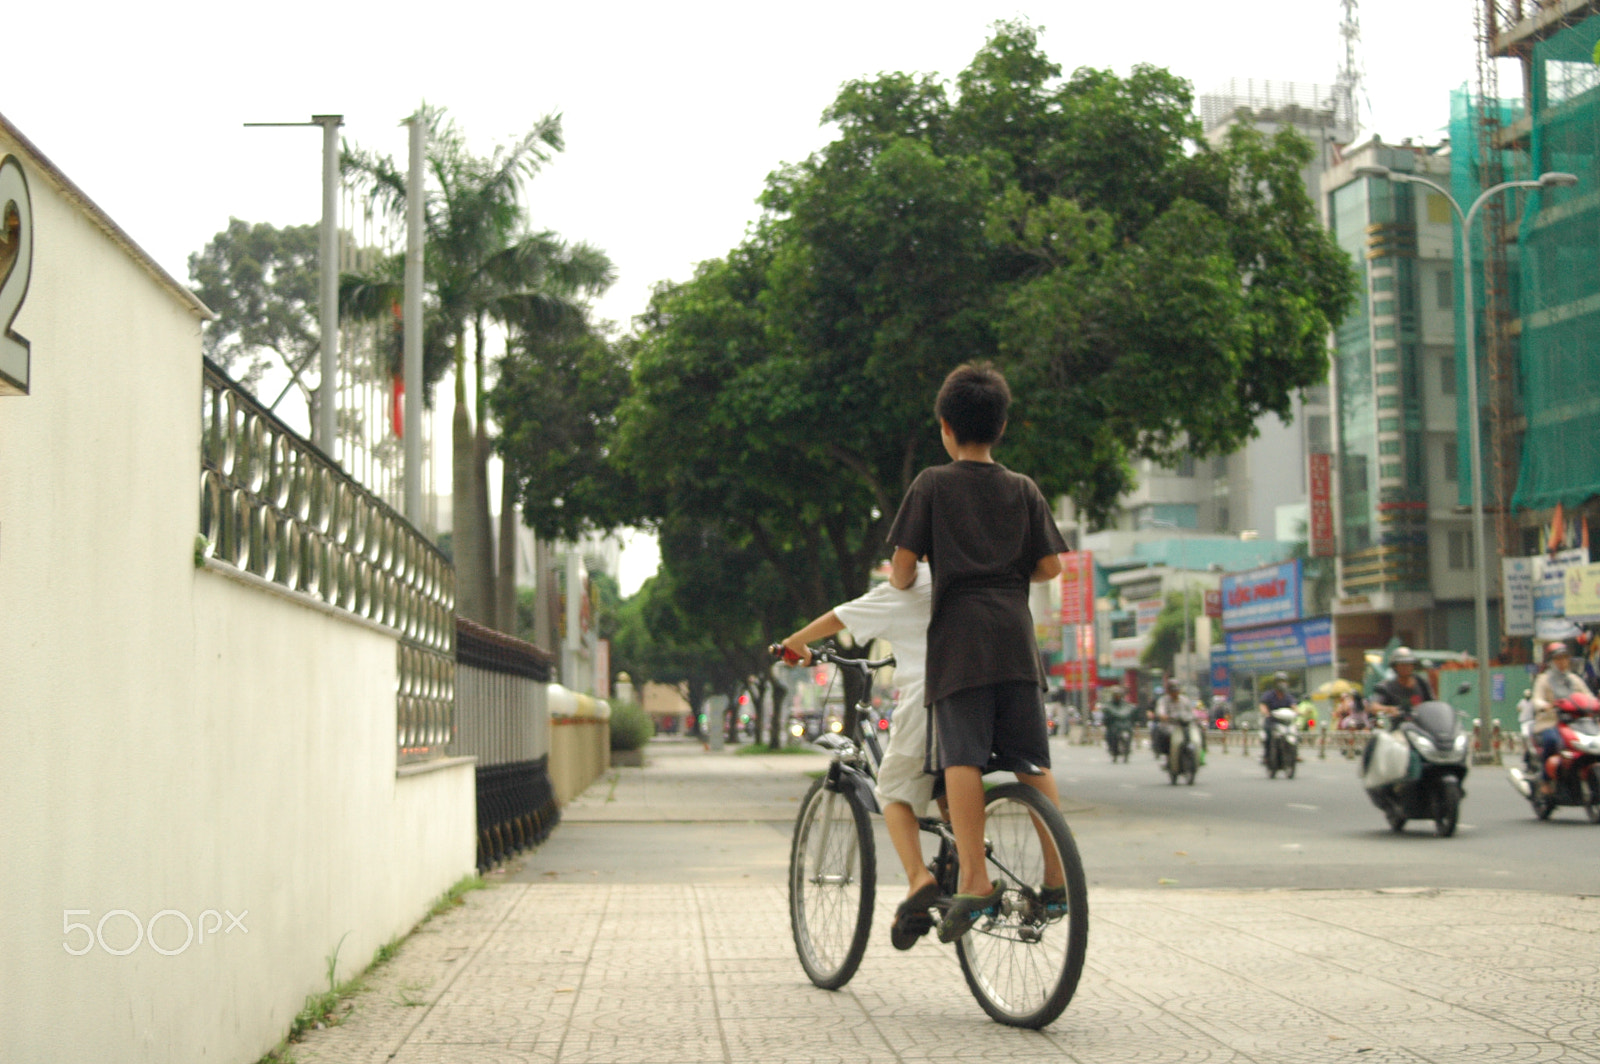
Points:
[1574,769]
[1414,768]
[1183,750]
[1282,750]
[1119,732]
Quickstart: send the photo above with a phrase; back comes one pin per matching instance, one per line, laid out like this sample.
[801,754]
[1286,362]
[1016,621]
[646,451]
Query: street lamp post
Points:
[1551,179]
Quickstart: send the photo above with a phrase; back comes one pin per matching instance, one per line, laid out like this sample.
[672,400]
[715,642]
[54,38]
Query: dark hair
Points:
[974,399]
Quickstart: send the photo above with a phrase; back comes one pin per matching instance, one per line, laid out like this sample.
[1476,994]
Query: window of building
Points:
[1452,462]
[1390,378]
[1384,283]
[1390,471]
[1447,374]
[1381,307]
[1460,550]
[1222,519]
[1388,446]
[1444,288]
[1319,438]
[1387,355]
[1384,332]
[1388,402]
[1388,424]
[1184,466]
[1438,209]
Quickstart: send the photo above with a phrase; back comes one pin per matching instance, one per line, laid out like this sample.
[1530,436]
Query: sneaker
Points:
[966,910]
[1054,900]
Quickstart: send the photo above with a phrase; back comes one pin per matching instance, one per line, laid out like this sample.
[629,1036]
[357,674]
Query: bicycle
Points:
[1022,963]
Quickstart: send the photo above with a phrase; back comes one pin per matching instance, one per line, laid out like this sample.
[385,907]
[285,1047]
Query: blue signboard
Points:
[1270,595]
[1297,645]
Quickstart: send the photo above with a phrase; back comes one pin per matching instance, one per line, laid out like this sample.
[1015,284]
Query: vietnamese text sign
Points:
[1321,482]
[1213,600]
[1282,646]
[1516,584]
[1583,593]
[1261,596]
[1145,614]
[1125,652]
[1549,589]
[1077,587]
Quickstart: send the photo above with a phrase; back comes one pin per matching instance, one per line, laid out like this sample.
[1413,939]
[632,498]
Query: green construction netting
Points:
[1560,269]
[1467,179]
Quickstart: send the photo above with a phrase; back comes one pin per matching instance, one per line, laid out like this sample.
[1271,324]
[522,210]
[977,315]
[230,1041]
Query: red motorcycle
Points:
[1574,768]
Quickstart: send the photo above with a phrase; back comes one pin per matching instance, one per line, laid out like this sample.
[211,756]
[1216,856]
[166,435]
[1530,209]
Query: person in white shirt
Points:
[904,789]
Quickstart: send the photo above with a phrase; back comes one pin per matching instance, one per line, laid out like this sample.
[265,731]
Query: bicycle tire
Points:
[1023,965]
[832,883]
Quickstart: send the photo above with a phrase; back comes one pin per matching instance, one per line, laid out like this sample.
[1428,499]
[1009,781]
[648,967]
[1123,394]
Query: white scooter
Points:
[1414,768]
[1282,751]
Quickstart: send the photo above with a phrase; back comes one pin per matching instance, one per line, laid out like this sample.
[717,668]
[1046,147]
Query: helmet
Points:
[1402,656]
[1557,649]
[1280,677]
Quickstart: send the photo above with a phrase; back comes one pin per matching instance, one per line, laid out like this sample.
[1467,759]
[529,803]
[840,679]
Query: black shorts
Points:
[1001,722]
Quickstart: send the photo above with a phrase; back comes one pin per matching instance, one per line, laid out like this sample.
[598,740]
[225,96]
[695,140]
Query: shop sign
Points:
[1583,593]
[1321,531]
[1516,585]
[1298,645]
[1549,587]
[1077,587]
[1261,596]
[1125,652]
[1145,614]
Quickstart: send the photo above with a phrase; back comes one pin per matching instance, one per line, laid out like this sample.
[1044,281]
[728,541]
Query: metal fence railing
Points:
[275,507]
[503,720]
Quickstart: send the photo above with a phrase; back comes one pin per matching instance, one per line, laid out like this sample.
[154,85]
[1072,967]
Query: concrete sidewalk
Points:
[674,948]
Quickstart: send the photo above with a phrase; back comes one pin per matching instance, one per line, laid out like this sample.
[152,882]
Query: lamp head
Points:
[1557,179]
[1373,170]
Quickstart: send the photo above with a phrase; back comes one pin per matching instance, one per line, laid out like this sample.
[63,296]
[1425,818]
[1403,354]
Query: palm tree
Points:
[484,265]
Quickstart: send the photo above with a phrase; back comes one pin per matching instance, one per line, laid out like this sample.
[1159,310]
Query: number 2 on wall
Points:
[16,267]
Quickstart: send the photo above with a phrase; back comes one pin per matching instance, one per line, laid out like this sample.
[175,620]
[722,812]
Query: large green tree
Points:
[1146,293]
[261,280]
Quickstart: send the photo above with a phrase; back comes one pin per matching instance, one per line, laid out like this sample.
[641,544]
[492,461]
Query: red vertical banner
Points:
[1320,533]
[1077,587]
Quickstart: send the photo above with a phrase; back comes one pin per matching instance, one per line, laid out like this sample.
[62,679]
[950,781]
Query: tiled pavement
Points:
[580,969]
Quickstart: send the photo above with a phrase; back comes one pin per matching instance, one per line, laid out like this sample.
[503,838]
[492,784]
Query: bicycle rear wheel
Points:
[832,879]
[1023,964]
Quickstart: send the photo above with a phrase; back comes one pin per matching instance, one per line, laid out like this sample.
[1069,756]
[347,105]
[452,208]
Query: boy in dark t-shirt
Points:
[987,533]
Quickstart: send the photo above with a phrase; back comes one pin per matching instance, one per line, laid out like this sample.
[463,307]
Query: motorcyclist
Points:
[1172,708]
[1407,689]
[1277,698]
[1554,683]
[1116,712]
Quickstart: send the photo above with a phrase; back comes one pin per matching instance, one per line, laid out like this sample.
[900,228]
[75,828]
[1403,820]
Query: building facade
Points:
[1405,550]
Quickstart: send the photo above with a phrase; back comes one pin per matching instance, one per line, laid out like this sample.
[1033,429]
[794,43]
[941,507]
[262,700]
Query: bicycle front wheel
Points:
[832,878]
[1023,964]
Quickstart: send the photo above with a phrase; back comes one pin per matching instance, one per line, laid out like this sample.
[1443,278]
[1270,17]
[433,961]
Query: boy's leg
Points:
[1045,784]
[963,786]
[907,839]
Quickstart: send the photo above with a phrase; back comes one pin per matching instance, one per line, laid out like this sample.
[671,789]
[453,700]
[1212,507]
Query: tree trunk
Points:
[505,588]
[465,532]
[733,718]
[775,733]
[484,545]
[543,596]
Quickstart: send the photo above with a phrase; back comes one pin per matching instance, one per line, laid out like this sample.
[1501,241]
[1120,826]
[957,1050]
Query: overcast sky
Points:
[674,113]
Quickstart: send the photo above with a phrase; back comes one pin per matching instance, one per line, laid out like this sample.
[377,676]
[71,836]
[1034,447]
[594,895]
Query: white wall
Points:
[177,740]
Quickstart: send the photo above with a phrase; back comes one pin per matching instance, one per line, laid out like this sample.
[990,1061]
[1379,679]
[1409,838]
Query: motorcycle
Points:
[1574,768]
[1414,768]
[1282,751]
[1183,750]
[1119,732]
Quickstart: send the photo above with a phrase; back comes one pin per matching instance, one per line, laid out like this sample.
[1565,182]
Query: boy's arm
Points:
[1049,568]
[821,628]
[903,569]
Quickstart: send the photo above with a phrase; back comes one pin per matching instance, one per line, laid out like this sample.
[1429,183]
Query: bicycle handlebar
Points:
[830,655]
